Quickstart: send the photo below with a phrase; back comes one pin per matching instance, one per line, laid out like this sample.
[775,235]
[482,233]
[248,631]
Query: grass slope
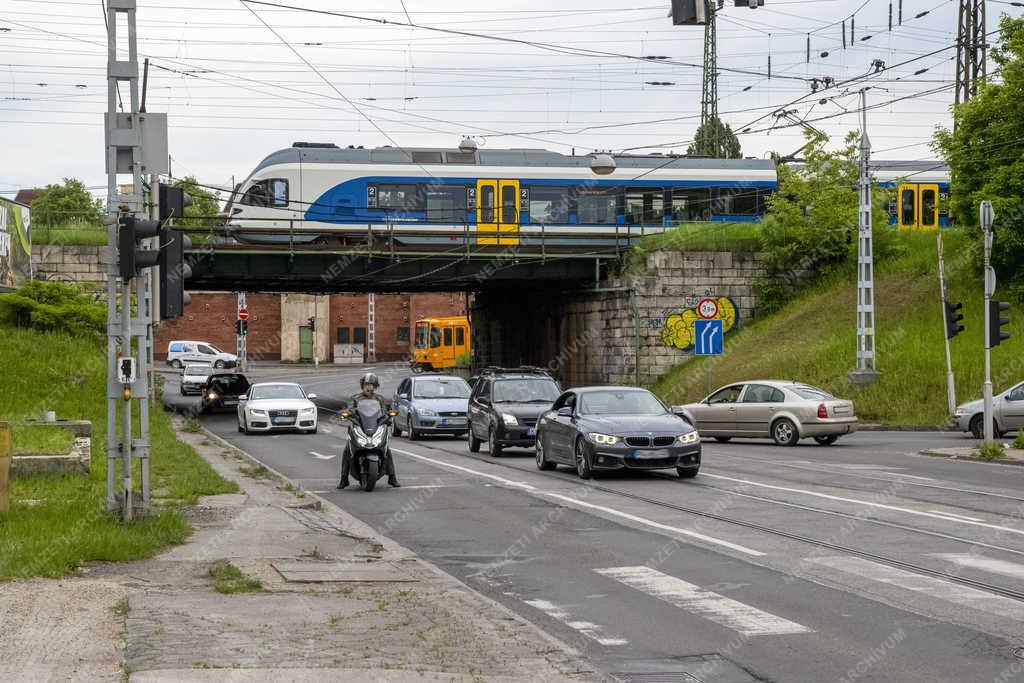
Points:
[813,339]
[56,523]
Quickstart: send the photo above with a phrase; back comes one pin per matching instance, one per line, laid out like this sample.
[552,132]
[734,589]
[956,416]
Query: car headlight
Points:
[426,412]
[257,411]
[689,437]
[960,411]
[212,396]
[605,439]
[509,419]
[308,411]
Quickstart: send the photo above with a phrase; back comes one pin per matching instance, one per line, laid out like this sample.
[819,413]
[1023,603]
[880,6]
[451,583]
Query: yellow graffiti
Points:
[678,329]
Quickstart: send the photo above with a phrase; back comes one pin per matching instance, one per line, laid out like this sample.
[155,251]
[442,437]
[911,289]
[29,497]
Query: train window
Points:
[509,204]
[395,197]
[597,206]
[907,207]
[460,336]
[435,337]
[645,205]
[487,204]
[256,195]
[447,336]
[548,204]
[737,201]
[691,204]
[927,207]
[426,157]
[279,191]
[446,204]
[461,157]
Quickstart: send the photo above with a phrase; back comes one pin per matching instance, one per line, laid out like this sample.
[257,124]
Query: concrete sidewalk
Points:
[335,601]
[1012,456]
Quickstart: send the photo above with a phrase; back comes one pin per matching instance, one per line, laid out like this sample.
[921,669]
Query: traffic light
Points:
[996,321]
[689,12]
[173,273]
[132,257]
[173,202]
[242,328]
[953,318]
[312,324]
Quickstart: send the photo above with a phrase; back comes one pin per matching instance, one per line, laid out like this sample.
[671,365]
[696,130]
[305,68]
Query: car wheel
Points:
[240,430]
[314,430]
[218,364]
[395,429]
[827,440]
[245,426]
[493,447]
[176,363]
[474,443]
[784,432]
[542,461]
[583,470]
[723,439]
[687,472]
[413,434]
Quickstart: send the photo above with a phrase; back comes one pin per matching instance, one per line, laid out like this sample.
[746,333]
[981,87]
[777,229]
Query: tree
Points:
[985,153]
[69,202]
[205,205]
[716,140]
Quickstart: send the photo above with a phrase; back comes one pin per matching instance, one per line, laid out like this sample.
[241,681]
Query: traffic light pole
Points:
[986,215]
[950,386]
[240,339]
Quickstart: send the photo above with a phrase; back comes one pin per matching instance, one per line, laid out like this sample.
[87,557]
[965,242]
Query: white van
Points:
[179,353]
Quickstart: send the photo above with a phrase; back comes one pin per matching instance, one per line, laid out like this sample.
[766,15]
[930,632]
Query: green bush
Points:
[991,451]
[54,307]
[464,360]
[1019,441]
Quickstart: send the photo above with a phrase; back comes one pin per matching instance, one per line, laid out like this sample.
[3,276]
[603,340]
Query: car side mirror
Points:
[678,410]
[310,396]
[565,411]
[403,396]
[243,397]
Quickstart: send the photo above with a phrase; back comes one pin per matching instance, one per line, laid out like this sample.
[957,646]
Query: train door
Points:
[906,207]
[917,207]
[928,207]
[497,211]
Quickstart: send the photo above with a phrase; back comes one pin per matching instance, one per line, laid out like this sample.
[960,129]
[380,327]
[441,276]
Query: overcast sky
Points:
[234,91]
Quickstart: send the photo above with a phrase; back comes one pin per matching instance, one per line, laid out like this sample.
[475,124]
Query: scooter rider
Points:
[368,383]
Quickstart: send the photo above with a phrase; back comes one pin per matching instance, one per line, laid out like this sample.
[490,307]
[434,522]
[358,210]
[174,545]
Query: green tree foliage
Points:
[716,140]
[205,205]
[54,306]
[985,153]
[812,220]
[66,203]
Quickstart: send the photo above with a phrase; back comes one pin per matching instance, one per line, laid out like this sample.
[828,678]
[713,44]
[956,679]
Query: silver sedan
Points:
[782,410]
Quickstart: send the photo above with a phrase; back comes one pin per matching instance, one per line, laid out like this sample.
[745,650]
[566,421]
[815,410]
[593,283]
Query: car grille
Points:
[664,440]
[283,413]
[453,413]
[528,421]
[647,441]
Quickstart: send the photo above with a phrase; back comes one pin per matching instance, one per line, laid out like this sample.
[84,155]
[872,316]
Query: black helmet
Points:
[369,378]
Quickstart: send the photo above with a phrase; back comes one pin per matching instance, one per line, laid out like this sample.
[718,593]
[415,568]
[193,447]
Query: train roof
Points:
[329,154]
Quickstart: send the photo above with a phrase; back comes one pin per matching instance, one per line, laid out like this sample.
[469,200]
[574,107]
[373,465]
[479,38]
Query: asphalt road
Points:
[856,562]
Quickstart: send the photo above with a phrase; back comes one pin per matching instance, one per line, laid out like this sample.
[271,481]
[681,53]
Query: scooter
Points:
[368,436]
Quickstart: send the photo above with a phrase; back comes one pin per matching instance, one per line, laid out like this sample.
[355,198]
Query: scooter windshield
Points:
[369,413]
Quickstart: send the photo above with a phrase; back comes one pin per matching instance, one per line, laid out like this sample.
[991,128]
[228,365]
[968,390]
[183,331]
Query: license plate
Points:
[657,453]
[530,431]
[455,422]
[284,420]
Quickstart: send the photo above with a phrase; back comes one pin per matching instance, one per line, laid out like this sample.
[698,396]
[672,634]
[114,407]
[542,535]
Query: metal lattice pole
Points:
[371,328]
[709,89]
[866,371]
[971,49]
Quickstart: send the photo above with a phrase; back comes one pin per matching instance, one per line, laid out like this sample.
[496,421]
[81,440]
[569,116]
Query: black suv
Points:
[505,404]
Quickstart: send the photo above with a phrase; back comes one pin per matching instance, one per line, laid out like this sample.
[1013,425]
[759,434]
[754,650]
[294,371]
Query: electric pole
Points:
[709,89]
[971,49]
[866,372]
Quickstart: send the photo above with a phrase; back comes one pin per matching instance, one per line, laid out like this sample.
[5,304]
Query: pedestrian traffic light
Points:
[953,318]
[242,328]
[132,258]
[174,270]
[173,202]
[312,324]
[996,321]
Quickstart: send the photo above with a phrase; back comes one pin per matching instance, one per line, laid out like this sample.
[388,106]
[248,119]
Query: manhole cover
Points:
[326,572]
[710,668]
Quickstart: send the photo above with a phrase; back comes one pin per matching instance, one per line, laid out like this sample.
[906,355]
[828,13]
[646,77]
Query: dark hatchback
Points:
[222,391]
[505,404]
[615,428]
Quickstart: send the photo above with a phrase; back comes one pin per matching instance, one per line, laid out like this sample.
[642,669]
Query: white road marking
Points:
[986,564]
[956,516]
[939,589]
[880,506]
[720,609]
[587,628]
[321,456]
[583,504]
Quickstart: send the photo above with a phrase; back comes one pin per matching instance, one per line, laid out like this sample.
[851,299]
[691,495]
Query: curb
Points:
[904,428]
[952,456]
[369,533]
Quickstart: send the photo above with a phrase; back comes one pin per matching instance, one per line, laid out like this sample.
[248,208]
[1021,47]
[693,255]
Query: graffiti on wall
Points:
[677,331]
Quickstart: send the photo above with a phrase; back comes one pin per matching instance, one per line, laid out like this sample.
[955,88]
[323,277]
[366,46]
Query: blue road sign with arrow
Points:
[709,337]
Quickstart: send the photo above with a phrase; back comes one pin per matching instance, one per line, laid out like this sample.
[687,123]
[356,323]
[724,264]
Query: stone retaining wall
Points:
[71,263]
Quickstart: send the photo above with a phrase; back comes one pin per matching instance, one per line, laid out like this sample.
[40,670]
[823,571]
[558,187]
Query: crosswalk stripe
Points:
[587,628]
[939,589]
[986,564]
[720,609]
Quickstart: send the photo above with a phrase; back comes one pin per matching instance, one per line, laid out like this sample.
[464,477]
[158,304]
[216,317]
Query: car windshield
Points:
[197,370]
[615,402]
[440,388]
[230,384]
[810,393]
[527,390]
[277,391]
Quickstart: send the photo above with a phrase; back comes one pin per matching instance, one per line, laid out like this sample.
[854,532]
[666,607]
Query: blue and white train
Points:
[516,194]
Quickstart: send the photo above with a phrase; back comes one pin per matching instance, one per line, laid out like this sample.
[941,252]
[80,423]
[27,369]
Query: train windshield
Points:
[422,335]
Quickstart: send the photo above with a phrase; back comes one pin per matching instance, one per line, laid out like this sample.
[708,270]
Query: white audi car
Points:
[270,406]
